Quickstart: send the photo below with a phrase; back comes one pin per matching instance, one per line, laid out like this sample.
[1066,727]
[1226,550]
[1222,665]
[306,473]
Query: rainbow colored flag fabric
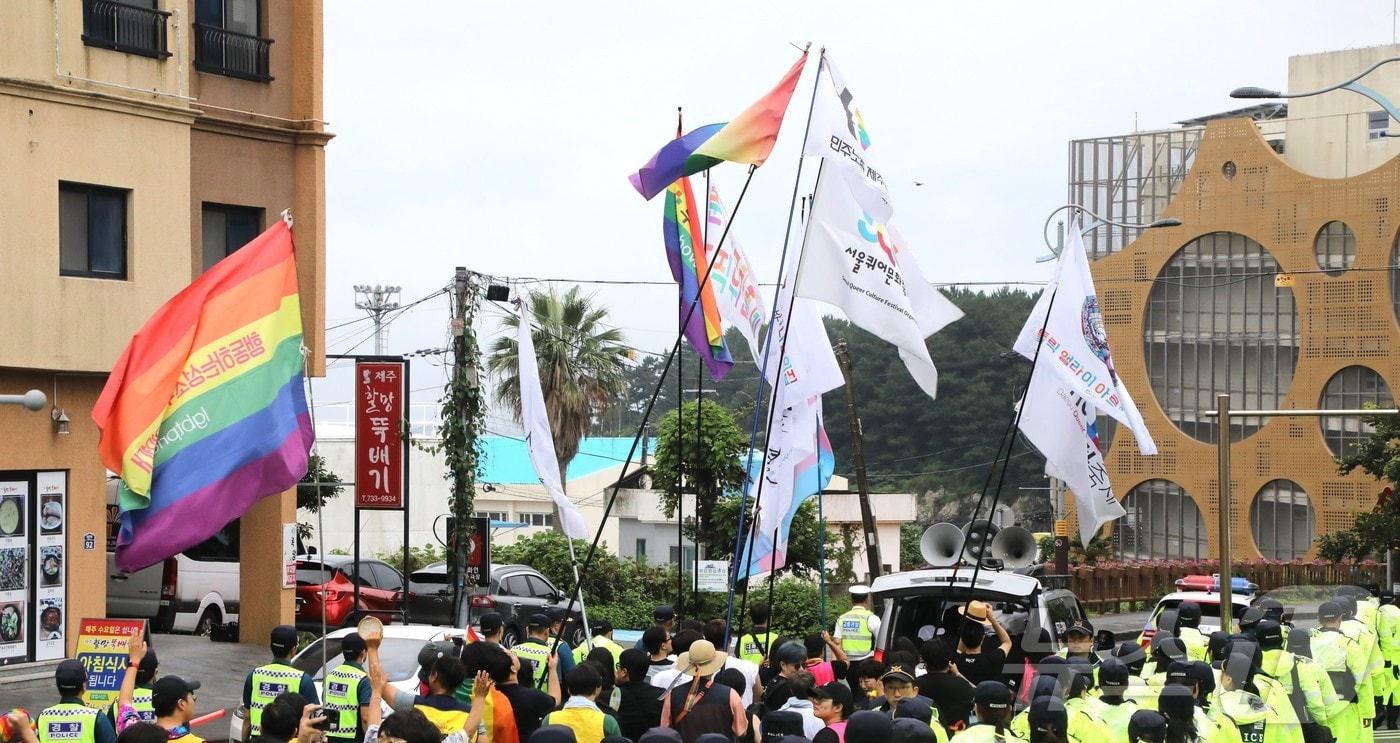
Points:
[680,224]
[205,413]
[749,138]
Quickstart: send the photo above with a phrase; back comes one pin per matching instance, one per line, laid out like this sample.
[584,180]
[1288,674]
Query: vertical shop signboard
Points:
[103,648]
[51,567]
[379,419]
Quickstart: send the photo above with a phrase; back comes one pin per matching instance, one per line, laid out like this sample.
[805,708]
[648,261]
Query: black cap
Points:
[600,626]
[1172,647]
[1269,634]
[555,614]
[70,674]
[168,690]
[149,664]
[1188,610]
[898,671]
[1180,673]
[539,621]
[352,645]
[1348,604]
[838,693]
[1252,617]
[1047,713]
[1300,642]
[1176,701]
[867,727]
[1113,674]
[490,623]
[1147,726]
[427,656]
[909,729]
[1329,610]
[284,639]
[1081,626]
[663,613]
[993,694]
[781,722]
[915,708]
[1203,675]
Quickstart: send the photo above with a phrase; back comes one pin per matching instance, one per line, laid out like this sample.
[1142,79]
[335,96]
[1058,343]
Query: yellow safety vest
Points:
[68,722]
[856,638]
[586,723]
[581,652]
[987,734]
[754,647]
[538,653]
[269,682]
[140,702]
[342,702]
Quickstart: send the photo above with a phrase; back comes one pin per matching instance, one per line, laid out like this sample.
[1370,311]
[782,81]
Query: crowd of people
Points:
[698,682]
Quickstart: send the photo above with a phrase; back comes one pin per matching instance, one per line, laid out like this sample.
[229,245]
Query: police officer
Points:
[71,721]
[1388,635]
[1079,645]
[266,682]
[1345,662]
[1355,628]
[752,645]
[1188,617]
[600,636]
[535,649]
[347,692]
[993,703]
[1240,708]
[1269,689]
[857,628]
[1320,700]
[1117,706]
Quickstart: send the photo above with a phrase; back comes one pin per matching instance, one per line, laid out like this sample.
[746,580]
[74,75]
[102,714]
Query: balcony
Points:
[225,52]
[109,24]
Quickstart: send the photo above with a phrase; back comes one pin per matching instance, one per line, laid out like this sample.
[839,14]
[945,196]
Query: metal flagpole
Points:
[680,419]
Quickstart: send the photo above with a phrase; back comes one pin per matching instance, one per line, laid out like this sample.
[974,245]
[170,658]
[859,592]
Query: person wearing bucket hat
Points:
[975,660]
[702,705]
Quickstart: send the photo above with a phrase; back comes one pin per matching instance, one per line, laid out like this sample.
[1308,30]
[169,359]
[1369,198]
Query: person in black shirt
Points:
[640,707]
[951,693]
[529,704]
[977,659]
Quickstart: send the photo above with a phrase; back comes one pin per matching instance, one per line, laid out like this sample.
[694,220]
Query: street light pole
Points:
[1252,91]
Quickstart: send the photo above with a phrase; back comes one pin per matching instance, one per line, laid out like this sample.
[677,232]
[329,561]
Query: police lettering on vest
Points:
[856,638]
[68,722]
[753,647]
[342,703]
[269,682]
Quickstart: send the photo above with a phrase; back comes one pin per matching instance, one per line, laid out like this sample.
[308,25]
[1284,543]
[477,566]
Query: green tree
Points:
[310,496]
[909,535]
[705,462]
[581,364]
[1376,531]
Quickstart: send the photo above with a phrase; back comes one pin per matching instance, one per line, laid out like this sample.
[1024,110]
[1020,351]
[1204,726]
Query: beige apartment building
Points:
[142,141]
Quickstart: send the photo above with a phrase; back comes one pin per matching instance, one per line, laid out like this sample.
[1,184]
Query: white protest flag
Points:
[1075,344]
[538,439]
[731,277]
[837,134]
[850,260]
[1060,424]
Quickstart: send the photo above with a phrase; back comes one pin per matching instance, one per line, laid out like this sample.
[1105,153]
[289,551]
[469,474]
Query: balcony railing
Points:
[126,28]
[225,52]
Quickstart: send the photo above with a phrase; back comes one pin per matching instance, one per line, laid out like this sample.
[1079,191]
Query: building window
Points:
[1395,278]
[1335,248]
[228,228]
[688,563]
[227,40]
[1215,322]
[1282,520]
[641,552]
[131,26]
[1162,522]
[1377,124]
[91,231]
[538,519]
[493,515]
[1351,389]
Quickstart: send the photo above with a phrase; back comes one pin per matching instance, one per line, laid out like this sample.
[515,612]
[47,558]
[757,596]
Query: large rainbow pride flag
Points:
[680,223]
[204,412]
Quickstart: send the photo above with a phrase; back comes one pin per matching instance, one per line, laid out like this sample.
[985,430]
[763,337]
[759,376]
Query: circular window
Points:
[1105,426]
[1350,389]
[1216,323]
[1282,520]
[1228,170]
[1335,247]
[1395,278]
[1162,522]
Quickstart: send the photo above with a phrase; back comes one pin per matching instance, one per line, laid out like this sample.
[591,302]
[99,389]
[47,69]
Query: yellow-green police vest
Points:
[141,702]
[537,653]
[269,682]
[856,638]
[342,702]
[68,722]
[754,647]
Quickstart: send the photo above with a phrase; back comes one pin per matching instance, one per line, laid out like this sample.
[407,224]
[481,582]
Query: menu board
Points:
[15,572]
[51,566]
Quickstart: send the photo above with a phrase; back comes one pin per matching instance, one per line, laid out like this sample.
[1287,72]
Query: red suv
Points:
[330,580]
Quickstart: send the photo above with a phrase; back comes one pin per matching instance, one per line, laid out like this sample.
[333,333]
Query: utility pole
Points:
[377,301]
[462,413]
[867,517]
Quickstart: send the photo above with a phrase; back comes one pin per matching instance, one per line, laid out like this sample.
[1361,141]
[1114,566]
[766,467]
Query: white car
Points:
[398,653]
[1209,601]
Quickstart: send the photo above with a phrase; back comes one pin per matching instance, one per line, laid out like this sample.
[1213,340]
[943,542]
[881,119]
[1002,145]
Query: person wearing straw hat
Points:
[702,705]
[975,661]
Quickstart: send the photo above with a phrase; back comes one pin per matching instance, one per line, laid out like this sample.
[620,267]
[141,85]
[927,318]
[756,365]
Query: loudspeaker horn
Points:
[977,539]
[1015,547]
[941,545]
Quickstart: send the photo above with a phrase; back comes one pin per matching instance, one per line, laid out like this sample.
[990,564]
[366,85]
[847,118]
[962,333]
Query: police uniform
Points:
[855,629]
[71,721]
[266,683]
[1388,636]
[140,703]
[1356,629]
[1345,662]
[752,646]
[537,652]
[1245,718]
[347,689]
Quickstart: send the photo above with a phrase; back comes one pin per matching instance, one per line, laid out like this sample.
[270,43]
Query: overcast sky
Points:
[499,136]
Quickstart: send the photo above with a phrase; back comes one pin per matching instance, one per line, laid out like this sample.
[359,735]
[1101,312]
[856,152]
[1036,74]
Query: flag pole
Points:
[680,451]
[763,372]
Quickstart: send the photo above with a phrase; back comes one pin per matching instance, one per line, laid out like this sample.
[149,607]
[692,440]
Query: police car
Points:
[1204,591]
[398,653]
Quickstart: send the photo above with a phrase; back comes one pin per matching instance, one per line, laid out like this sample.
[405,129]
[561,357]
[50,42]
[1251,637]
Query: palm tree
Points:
[581,367]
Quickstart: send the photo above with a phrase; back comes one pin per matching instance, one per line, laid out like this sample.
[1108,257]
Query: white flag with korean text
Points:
[1060,424]
[538,438]
[850,260]
[731,277]
[1075,343]
[838,134]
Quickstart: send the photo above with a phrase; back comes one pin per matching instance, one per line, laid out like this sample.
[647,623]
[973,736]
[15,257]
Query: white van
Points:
[190,592]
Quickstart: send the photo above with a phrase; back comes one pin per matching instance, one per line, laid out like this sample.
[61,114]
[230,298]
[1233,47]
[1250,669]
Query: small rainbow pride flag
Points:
[204,412]
[681,224]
